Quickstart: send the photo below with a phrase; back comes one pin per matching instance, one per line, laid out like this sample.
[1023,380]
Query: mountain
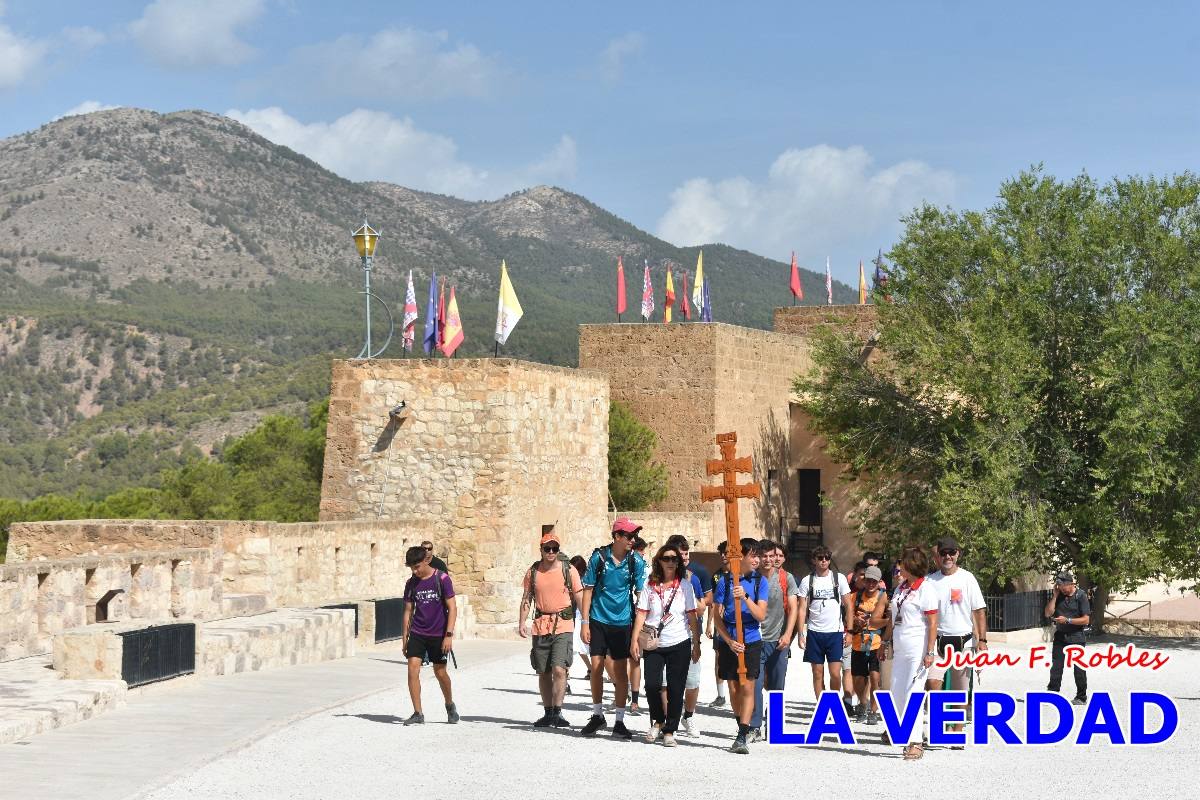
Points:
[168,279]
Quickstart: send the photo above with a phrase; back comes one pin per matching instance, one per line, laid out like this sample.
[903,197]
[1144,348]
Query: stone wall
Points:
[486,451]
[44,598]
[804,320]
[51,540]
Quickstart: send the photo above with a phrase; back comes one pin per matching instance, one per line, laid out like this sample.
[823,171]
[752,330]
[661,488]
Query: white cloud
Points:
[372,145]
[19,58]
[185,34]
[86,107]
[817,200]
[395,64]
[612,60]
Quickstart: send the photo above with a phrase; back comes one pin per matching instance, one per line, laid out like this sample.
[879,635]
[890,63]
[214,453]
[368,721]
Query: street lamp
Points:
[366,239]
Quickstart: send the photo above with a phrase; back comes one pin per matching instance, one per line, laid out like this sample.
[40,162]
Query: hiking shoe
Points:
[669,740]
[739,746]
[594,724]
[873,718]
[718,703]
[545,722]
[416,719]
[755,735]
[451,714]
[655,733]
[860,713]
[1079,700]
[620,731]
[690,730]
[560,721]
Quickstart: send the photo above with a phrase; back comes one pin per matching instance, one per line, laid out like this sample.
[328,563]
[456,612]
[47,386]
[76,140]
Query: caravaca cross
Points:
[728,466]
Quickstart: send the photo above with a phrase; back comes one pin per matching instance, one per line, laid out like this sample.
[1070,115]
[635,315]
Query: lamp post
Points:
[366,239]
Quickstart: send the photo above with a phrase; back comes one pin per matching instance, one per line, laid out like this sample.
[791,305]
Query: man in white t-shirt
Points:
[825,607]
[962,614]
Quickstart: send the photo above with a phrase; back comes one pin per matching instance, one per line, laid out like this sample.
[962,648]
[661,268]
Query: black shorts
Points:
[727,661]
[426,648]
[610,640]
[956,643]
[862,664]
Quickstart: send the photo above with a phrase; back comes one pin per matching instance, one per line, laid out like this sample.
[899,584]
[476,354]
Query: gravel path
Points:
[360,751]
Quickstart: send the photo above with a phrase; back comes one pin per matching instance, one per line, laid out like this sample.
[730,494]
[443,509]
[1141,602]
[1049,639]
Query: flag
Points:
[441,328]
[620,286]
[683,296]
[509,311]
[431,317]
[453,330]
[797,287]
[698,287]
[878,270]
[409,326]
[828,282]
[647,295]
[706,315]
[862,284]
[669,300]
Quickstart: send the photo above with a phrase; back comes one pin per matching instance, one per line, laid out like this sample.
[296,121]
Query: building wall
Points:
[32,540]
[488,450]
[807,451]
[805,320]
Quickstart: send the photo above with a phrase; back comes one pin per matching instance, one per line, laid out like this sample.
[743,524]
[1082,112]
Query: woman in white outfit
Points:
[914,637]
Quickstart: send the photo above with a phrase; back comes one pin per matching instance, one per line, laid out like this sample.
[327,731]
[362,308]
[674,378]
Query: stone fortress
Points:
[477,455]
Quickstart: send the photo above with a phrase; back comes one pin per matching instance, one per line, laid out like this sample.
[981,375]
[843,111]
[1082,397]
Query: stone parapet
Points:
[278,639]
[806,320]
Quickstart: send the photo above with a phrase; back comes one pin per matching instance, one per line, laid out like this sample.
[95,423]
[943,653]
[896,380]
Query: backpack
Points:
[812,586]
[566,613]
[605,554]
[754,578]
[438,575]
[867,634]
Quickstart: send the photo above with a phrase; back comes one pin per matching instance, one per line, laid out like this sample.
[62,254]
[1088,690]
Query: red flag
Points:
[797,287]
[441,333]
[685,308]
[620,286]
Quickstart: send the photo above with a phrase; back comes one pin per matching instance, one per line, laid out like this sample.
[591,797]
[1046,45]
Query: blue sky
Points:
[775,126]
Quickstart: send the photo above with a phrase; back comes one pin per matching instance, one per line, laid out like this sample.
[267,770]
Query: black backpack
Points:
[754,578]
[566,613]
[812,585]
[605,554]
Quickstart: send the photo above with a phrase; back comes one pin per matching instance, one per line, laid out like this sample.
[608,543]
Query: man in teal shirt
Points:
[614,575]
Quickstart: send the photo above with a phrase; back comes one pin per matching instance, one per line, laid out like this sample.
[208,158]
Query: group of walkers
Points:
[641,623]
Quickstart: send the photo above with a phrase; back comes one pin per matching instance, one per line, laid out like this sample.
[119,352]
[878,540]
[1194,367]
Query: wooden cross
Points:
[729,466]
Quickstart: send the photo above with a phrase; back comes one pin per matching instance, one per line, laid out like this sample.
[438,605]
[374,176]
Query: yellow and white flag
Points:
[698,287]
[509,312]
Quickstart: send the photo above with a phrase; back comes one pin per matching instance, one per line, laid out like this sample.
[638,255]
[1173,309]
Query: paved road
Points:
[167,731]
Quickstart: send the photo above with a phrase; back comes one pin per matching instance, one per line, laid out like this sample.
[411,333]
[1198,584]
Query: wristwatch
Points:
[931,653]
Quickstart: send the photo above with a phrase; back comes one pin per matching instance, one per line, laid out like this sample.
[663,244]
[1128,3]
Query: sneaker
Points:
[739,746]
[718,703]
[754,736]
[860,713]
[594,724]
[848,703]
[620,731]
[560,721]
[416,719]
[690,730]
[451,714]
[545,722]
[669,740]
[1080,700]
[873,718]
[654,734]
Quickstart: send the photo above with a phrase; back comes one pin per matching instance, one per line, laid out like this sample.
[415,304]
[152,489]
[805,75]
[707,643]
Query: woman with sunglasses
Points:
[914,610]
[666,611]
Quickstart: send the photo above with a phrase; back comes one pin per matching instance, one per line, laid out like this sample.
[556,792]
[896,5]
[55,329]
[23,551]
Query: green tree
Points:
[1033,388]
[634,482]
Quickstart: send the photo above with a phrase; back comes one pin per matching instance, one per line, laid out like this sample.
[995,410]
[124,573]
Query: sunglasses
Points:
[550,549]
[427,546]
[668,558]
[947,552]
[625,535]
[821,558]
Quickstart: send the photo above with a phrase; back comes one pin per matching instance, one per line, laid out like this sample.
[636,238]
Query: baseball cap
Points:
[1064,577]
[550,536]
[625,525]
[873,574]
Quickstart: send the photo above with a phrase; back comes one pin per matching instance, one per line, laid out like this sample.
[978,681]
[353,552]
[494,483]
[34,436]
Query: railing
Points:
[353,607]
[389,619]
[1016,611]
[156,654]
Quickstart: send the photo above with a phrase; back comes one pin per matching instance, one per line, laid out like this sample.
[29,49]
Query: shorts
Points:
[426,648]
[727,661]
[612,641]
[693,676]
[956,643]
[551,651]
[821,647]
[863,663]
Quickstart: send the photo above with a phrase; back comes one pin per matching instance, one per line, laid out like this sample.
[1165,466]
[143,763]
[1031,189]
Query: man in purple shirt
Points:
[430,611]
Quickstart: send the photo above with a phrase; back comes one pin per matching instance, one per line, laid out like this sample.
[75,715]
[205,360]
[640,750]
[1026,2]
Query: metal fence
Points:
[1016,611]
[158,653]
[389,619]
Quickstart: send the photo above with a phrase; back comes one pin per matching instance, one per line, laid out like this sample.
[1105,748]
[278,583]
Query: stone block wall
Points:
[486,451]
[804,320]
[53,540]
[658,526]
[44,598]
